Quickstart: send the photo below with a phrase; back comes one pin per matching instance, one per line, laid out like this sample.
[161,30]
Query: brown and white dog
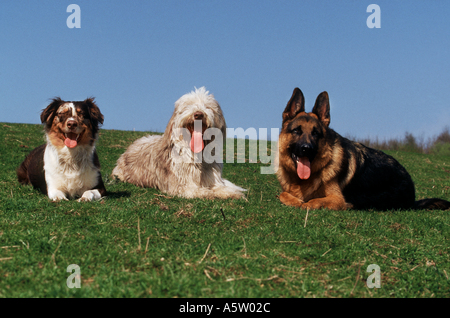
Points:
[67,166]
[169,162]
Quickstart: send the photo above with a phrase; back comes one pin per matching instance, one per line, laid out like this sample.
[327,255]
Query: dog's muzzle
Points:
[303,150]
[302,155]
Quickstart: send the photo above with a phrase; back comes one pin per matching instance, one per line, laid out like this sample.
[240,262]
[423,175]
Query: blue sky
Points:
[138,57]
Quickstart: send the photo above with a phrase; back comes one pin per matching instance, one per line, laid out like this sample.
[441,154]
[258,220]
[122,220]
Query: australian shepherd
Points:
[67,166]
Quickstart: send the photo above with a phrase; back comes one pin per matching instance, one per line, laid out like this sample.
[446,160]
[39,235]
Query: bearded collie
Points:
[181,162]
[67,166]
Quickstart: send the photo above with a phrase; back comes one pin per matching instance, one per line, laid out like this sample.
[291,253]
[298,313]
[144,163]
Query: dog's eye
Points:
[297,130]
[316,133]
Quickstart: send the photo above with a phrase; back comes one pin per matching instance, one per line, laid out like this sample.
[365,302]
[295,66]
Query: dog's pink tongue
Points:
[71,140]
[303,168]
[197,144]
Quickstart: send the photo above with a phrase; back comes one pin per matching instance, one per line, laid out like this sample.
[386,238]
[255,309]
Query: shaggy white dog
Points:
[187,160]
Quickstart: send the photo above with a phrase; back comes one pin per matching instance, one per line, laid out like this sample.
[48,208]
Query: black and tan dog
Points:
[317,168]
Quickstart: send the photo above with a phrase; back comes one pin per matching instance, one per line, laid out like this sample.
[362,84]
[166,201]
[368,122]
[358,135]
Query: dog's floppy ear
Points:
[48,114]
[94,112]
[322,108]
[295,105]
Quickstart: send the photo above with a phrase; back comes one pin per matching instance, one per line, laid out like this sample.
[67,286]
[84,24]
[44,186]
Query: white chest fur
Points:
[69,172]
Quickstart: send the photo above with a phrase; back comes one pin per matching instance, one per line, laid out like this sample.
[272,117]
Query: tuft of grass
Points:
[438,145]
[142,243]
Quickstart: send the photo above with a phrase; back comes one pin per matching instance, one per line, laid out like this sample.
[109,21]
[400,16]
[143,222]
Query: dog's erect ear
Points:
[322,108]
[48,114]
[94,112]
[295,105]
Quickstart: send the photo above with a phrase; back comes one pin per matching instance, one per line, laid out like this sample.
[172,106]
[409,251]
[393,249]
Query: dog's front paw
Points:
[313,205]
[90,195]
[237,195]
[331,203]
[227,192]
[56,195]
[288,199]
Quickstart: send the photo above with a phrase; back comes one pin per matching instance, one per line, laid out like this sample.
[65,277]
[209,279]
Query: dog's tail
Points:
[22,173]
[431,204]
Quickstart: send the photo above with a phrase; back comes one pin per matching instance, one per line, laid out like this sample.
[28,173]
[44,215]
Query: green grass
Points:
[219,248]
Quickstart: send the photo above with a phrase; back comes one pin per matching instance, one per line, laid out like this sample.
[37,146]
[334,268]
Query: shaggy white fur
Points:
[178,165]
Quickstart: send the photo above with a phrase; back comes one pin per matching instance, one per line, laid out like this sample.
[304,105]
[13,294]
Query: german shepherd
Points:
[318,168]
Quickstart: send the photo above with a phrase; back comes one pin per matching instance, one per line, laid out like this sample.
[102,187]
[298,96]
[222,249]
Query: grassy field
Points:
[141,243]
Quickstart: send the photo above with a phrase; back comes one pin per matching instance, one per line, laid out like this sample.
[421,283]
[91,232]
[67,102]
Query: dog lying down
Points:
[67,166]
[171,162]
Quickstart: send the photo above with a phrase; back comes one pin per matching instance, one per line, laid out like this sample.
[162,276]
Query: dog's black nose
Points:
[306,150]
[198,115]
[305,147]
[71,124]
